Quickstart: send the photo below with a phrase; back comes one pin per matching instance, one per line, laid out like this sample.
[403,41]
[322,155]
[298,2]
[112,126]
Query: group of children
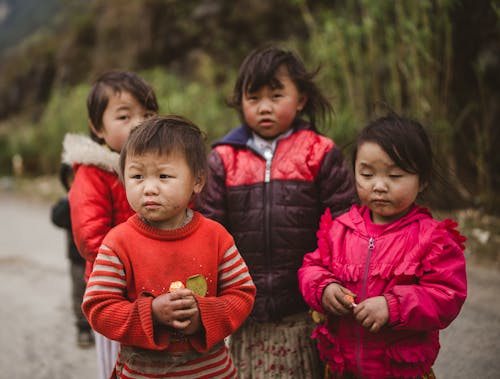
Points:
[271,258]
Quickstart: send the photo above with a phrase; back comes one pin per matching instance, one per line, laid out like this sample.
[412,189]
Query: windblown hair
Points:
[260,68]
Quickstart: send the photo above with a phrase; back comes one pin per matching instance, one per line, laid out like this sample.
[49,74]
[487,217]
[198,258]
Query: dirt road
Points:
[37,337]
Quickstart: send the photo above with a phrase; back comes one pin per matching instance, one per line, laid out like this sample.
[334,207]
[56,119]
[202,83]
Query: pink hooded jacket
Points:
[416,263]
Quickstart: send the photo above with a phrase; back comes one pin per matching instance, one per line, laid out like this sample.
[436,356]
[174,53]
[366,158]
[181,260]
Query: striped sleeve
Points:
[233,271]
[223,314]
[107,275]
[108,309]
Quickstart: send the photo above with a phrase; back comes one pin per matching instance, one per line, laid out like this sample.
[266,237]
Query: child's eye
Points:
[123,117]
[149,115]
[277,95]
[164,176]
[136,176]
[366,175]
[395,176]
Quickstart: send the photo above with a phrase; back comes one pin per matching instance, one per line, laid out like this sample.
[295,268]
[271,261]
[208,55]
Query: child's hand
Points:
[335,300]
[195,324]
[372,313]
[175,309]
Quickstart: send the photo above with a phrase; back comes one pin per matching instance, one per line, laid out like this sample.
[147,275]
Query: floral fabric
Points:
[276,349]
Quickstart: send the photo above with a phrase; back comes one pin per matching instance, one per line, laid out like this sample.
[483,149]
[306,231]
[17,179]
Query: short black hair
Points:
[165,135]
[116,81]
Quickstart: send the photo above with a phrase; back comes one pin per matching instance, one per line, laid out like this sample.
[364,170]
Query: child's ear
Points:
[99,134]
[302,102]
[422,186]
[199,184]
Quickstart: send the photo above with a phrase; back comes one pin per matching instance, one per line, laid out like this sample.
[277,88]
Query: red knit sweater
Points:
[138,262]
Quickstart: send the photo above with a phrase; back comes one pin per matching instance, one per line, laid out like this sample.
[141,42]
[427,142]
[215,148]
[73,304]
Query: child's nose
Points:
[379,185]
[150,187]
[265,106]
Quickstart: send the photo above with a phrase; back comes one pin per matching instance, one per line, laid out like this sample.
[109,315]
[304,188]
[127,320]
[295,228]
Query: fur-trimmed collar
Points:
[80,149]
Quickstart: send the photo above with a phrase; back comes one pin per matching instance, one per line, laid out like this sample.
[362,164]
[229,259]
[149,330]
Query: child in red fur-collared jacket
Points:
[387,275]
[118,101]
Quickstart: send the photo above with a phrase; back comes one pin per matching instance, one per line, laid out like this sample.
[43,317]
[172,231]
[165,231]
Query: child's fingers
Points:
[181,294]
[180,324]
[336,307]
[185,313]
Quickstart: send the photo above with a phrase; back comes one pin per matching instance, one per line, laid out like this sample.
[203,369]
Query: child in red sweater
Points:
[168,284]
[117,102]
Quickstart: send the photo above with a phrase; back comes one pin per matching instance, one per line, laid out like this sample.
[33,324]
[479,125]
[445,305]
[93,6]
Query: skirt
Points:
[282,349]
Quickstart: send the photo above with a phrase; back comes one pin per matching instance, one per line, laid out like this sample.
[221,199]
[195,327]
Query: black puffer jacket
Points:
[274,222]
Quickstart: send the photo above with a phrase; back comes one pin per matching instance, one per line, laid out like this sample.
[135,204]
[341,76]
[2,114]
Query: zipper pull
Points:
[371,243]
[268,155]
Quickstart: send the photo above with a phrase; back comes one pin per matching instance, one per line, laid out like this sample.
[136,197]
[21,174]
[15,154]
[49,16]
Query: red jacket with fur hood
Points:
[97,197]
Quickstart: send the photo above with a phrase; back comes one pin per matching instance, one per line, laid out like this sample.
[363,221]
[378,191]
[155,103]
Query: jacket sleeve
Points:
[234,300]
[442,287]
[336,183]
[314,274]
[91,211]
[211,202]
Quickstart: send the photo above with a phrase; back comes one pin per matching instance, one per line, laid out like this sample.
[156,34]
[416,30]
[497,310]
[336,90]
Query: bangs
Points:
[254,82]
[160,141]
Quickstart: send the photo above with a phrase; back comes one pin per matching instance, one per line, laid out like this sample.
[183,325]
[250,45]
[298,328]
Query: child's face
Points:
[270,112]
[160,187]
[382,186]
[122,114]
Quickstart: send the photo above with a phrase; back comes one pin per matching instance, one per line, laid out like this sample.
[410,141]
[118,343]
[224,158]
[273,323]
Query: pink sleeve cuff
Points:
[394,312]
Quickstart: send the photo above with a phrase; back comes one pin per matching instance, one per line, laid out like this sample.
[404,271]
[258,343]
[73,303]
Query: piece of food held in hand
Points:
[319,318]
[196,283]
[177,285]
[350,299]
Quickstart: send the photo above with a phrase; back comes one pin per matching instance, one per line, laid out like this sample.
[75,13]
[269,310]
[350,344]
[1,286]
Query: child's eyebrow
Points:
[364,164]
[123,108]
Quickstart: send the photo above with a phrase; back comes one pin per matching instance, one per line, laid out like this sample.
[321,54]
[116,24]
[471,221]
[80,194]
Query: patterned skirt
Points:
[276,349]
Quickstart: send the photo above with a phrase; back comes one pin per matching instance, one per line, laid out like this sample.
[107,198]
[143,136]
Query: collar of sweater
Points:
[80,149]
[167,234]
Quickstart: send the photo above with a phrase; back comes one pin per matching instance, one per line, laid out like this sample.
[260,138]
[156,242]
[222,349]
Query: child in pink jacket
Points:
[386,276]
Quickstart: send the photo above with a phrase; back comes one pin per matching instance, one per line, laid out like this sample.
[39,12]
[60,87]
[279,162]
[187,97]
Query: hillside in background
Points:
[21,18]
[428,59]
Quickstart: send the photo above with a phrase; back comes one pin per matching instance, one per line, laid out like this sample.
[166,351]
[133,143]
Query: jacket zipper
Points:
[371,246]
[268,156]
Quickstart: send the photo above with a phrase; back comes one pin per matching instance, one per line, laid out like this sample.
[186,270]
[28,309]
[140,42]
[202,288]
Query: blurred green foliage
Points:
[374,56]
